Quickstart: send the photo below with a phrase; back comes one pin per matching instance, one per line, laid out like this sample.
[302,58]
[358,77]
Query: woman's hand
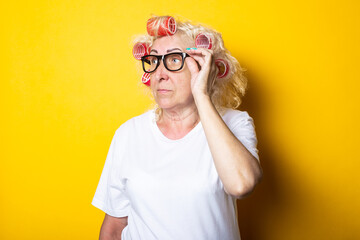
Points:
[201,67]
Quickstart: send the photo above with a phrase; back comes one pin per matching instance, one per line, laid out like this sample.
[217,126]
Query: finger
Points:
[199,59]
[202,55]
[192,65]
[203,51]
[204,61]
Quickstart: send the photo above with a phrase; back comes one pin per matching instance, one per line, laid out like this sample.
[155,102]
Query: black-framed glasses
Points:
[172,61]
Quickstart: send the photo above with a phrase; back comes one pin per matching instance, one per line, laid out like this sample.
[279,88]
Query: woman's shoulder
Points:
[236,119]
[233,114]
[136,121]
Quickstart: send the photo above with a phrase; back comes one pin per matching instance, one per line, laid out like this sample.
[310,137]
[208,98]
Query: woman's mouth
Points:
[161,90]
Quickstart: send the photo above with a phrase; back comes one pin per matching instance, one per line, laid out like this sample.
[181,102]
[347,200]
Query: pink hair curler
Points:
[145,79]
[139,50]
[167,27]
[203,40]
[223,67]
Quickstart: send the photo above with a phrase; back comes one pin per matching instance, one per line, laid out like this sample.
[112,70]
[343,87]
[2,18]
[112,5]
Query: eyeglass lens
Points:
[172,62]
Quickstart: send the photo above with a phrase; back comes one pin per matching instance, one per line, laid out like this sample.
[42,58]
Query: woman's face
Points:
[171,90]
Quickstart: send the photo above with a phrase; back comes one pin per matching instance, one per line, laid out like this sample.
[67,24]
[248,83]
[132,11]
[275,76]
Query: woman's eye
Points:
[175,60]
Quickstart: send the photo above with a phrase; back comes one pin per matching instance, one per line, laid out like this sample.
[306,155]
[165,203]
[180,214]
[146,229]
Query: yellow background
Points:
[68,80]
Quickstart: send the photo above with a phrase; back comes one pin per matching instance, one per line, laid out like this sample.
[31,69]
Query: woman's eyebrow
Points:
[173,49]
[169,50]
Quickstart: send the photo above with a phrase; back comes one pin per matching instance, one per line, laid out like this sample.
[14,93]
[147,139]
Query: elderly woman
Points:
[175,172]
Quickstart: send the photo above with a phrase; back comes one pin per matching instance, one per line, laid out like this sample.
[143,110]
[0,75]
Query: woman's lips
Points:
[163,90]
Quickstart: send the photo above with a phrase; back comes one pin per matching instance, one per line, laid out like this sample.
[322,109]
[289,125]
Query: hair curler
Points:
[203,40]
[167,26]
[145,79]
[139,50]
[223,67]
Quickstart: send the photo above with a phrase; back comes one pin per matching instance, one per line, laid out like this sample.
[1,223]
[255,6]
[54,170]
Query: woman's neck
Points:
[175,124]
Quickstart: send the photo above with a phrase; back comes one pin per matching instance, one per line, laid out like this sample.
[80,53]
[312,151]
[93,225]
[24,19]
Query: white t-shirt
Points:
[169,189]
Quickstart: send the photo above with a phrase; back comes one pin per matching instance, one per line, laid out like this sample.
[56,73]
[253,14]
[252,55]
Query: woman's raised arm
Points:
[238,169]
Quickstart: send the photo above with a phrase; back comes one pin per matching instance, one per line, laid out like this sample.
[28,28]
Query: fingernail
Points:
[188,48]
[194,48]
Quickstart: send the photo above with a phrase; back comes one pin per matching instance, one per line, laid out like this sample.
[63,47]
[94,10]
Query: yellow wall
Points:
[68,80]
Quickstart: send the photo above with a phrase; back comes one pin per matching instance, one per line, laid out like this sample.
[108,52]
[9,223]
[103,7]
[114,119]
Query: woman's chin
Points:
[164,102]
[165,105]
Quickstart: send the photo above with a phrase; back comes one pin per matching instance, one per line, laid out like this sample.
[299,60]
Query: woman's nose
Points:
[161,73]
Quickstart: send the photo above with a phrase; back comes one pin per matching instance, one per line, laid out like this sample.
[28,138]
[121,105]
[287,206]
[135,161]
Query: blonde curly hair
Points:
[224,92]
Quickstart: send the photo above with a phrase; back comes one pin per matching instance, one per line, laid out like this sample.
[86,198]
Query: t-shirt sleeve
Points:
[242,126]
[110,195]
